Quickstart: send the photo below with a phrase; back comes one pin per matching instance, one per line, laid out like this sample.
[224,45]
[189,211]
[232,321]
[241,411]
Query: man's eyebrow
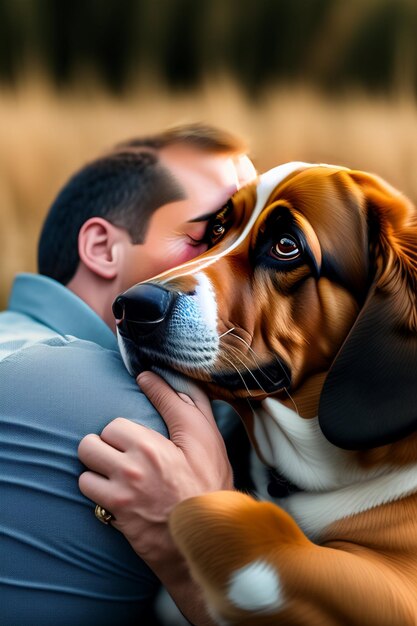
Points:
[224,210]
[203,218]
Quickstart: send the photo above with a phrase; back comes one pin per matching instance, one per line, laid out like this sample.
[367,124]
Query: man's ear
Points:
[99,244]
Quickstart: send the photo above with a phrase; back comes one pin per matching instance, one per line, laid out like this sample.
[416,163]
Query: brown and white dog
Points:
[302,314]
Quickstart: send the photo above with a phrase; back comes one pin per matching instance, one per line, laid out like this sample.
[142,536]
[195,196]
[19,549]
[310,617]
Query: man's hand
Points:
[139,475]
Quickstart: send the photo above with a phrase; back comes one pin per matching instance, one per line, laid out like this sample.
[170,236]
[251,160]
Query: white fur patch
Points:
[336,486]
[206,300]
[315,511]
[297,447]
[256,587]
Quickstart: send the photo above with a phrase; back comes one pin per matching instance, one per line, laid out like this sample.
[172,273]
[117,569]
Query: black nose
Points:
[142,308]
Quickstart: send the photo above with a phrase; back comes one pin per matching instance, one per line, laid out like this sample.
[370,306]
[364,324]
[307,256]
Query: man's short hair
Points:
[200,136]
[125,187]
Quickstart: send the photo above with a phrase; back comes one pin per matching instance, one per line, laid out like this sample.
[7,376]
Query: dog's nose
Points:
[142,308]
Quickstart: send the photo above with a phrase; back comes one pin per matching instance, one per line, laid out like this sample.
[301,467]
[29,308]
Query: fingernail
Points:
[141,375]
[186,398]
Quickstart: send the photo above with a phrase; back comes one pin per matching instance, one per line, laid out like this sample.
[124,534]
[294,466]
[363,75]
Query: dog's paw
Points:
[231,542]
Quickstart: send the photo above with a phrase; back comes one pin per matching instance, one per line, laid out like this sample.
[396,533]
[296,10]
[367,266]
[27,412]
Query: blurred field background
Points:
[316,80]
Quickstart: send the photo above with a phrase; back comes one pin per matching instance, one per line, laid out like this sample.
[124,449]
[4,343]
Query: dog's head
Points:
[310,275]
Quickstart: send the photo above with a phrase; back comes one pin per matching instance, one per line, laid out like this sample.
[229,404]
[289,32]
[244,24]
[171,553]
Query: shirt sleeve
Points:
[57,559]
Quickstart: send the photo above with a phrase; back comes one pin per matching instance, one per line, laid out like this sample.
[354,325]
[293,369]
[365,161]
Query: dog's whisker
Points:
[292,400]
[235,349]
[260,369]
[247,344]
[258,366]
[227,332]
[251,373]
[255,357]
[251,350]
[234,367]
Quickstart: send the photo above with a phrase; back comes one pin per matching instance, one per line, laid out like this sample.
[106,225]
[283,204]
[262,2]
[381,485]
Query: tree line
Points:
[334,44]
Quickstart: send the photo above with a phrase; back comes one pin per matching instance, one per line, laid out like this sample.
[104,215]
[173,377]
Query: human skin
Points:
[133,471]
[110,263]
[140,476]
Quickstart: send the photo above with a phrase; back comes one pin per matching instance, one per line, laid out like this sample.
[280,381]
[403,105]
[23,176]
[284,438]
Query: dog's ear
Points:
[369,398]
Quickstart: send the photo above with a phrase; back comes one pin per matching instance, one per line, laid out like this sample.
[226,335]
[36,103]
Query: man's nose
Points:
[142,308]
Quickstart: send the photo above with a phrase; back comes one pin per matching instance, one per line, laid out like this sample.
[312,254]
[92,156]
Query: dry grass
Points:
[44,137]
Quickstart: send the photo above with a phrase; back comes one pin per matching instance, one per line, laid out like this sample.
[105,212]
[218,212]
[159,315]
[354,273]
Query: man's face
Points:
[176,230]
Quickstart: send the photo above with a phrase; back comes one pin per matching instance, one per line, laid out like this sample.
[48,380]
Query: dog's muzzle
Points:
[142,309]
[167,330]
[140,313]
[161,328]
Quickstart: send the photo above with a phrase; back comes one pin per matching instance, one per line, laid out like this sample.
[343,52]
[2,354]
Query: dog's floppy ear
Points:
[369,398]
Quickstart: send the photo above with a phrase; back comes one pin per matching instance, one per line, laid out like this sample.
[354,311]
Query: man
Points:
[131,214]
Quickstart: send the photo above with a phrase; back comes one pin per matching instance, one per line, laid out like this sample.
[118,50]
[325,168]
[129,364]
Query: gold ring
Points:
[102,515]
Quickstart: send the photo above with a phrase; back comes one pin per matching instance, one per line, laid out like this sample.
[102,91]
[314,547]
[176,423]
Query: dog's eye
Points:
[217,230]
[219,225]
[287,247]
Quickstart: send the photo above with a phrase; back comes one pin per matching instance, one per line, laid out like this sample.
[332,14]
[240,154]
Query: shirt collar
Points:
[52,304]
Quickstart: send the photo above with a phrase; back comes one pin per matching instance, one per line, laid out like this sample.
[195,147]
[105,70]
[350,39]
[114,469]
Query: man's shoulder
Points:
[26,338]
[58,378]
[19,331]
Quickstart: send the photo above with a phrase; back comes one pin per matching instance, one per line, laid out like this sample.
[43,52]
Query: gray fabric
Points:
[58,563]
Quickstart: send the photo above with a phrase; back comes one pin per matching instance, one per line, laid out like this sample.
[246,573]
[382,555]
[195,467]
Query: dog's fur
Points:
[303,315]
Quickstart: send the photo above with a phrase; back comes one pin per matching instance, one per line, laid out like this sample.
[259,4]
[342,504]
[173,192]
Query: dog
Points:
[303,315]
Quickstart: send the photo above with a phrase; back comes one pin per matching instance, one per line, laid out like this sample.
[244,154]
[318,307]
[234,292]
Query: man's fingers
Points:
[198,396]
[121,433]
[96,488]
[97,455]
[172,405]
[184,421]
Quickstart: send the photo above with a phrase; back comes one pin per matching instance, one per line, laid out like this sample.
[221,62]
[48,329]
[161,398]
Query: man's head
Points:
[139,210]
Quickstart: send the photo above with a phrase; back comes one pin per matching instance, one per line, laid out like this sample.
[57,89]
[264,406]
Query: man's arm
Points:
[140,476]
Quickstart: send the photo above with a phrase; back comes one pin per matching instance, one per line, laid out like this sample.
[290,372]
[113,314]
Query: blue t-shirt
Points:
[61,377]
